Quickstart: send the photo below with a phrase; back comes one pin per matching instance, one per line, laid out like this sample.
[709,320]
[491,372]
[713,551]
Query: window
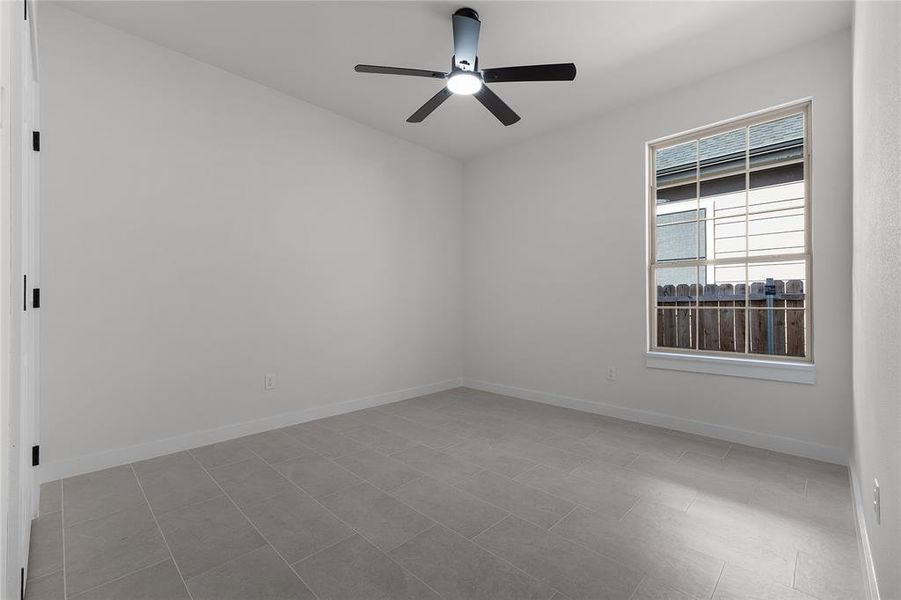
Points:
[729,239]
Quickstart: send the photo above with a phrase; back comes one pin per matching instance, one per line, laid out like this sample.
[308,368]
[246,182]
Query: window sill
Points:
[734,367]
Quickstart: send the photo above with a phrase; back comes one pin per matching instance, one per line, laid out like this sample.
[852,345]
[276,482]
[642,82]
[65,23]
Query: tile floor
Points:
[460,494]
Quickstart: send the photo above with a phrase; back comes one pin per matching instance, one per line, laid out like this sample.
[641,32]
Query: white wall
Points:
[554,263]
[201,230]
[877,279]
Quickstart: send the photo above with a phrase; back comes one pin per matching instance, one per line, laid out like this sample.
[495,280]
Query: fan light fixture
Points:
[465,76]
[464,83]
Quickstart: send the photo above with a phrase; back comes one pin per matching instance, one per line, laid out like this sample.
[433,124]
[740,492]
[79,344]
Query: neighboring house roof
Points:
[773,134]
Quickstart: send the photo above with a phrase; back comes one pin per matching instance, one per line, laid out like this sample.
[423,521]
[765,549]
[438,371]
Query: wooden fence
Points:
[712,317]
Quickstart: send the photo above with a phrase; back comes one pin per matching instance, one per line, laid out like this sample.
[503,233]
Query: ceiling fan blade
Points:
[497,106]
[427,108]
[466,38]
[555,72]
[399,71]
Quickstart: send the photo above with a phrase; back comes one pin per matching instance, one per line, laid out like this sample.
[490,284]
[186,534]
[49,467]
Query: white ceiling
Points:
[623,51]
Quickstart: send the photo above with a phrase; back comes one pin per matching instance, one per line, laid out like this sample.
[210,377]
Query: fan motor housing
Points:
[468,13]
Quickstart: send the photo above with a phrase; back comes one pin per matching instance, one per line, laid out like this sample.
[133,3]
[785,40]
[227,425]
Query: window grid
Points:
[747,258]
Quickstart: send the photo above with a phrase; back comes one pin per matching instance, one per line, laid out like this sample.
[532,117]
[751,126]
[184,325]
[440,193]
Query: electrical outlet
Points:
[269,381]
[611,373]
[877,501]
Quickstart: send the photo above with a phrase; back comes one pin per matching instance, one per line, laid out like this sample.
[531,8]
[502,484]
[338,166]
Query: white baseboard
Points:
[120,456]
[866,555]
[730,434]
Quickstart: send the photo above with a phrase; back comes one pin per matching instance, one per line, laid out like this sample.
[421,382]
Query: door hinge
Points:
[36,141]
[24,292]
[35,456]
[36,298]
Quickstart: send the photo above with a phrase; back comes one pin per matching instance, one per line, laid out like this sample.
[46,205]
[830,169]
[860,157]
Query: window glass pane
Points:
[678,236]
[676,164]
[783,271]
[675,313]
[724,185]
[777,331]
[677,281]
[777,197]
[723,153]
[777,141]
[729,239]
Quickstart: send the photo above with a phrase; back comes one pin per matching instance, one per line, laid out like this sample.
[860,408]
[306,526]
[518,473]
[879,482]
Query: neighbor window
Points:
[729,239]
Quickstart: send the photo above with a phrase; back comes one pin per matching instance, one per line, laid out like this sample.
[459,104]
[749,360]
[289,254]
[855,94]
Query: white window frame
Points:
[746,364]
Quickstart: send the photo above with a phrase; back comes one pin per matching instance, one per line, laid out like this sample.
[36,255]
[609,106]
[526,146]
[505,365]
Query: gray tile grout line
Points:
[795,569]
[557,522]
[719,579]
[160,529]
[252,524]
[637,587]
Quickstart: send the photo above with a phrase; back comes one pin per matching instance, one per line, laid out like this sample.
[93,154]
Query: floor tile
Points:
[381,440]
[713,483]
[828,577]
[207,534]
[158,582]
[101,493]
[109,547]
[648,488]
[342,423]
[729,533]
[382,471]
[45,554]
[491,456]
[173,481]
[259,574]
[354,569]
[275,446]
[421,434]
[526,502]
[250,481]
[453,508]
[222,453]
[377,516]
[544,454]
[436,464]
[456,568]
[424,416]
[326,442]
[575,571]
[48,587]
[737,583]
[805,509]
[765,468]
[644,549]
[610,451]
[51,497]
[652,589]
[605,496]
[296,524]
[318,476]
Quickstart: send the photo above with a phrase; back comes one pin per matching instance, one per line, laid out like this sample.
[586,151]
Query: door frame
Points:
[19,243]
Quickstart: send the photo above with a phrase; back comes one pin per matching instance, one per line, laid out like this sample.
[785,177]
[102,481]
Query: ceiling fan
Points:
[466,78]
